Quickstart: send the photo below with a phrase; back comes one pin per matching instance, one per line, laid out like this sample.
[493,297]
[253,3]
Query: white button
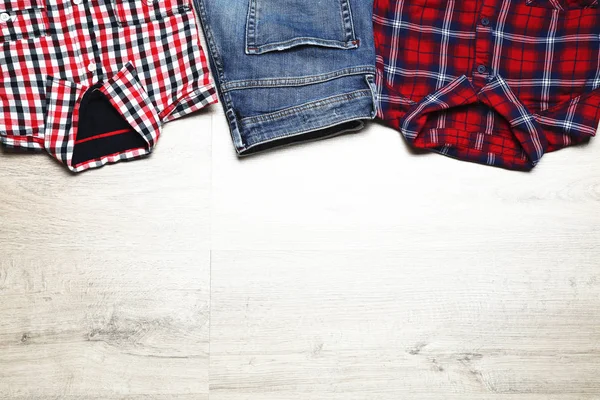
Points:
[4,17]
[77,2]
[92,67]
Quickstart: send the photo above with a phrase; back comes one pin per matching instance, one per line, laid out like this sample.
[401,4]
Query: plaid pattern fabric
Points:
[499,82]
[61,114]
[125,94]
[144,55]
[129,98]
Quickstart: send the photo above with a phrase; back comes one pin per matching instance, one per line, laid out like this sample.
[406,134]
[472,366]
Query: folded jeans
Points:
[291,71]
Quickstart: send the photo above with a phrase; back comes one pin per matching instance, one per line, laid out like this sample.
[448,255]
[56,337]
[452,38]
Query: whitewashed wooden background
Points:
[345,269]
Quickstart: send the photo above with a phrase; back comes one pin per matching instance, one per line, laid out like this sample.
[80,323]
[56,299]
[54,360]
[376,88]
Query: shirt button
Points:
[92,67]
[481,69]
[4,17]
[77,2]
[484,21]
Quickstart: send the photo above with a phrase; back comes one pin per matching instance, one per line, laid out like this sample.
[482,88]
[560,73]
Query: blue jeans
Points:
[291,70]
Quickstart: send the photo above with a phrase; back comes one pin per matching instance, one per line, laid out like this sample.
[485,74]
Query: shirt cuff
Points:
[105,123]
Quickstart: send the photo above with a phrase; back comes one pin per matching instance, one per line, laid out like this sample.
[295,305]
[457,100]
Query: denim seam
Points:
[274,116]
[210,41]
[294,134]
[295,81]
[219,74]
[373,86]
[251,18]
[347,22]
[299,41]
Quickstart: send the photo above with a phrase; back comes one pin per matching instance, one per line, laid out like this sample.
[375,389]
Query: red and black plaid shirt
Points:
[498,82]
[93,81]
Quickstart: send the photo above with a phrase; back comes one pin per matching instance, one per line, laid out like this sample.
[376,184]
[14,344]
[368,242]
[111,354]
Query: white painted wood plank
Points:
[368,190]
[91,330]
[493,322]
[105,276]
[482,284]
[142,205]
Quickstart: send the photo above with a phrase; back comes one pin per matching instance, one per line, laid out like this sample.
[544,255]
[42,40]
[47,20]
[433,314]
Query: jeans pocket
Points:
[22,19]
[132,12]
[275,25]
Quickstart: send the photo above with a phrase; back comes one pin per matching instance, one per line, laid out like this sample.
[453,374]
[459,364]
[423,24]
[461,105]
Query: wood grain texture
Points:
[104,276]
[368,191]
[471,323]
[350,268]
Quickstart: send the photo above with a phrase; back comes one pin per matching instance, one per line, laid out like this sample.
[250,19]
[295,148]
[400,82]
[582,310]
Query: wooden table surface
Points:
[350,268]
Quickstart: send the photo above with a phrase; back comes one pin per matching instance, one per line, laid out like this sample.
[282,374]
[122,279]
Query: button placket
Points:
[92,69]
[87,60]
[91,72]
[484,43]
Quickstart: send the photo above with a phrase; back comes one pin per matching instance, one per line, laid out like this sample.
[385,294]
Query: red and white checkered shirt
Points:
[498,82]
[92,81]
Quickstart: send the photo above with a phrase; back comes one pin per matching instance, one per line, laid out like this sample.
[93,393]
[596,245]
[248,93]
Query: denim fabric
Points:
[291,70]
